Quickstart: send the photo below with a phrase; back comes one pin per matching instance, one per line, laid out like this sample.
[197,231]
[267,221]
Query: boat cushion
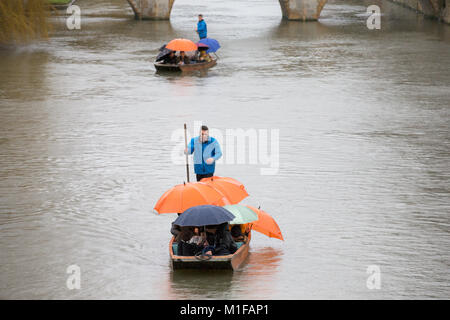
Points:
[175,248]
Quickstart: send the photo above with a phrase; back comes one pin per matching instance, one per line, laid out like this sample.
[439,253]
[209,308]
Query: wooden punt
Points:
[232,261]
[185,67]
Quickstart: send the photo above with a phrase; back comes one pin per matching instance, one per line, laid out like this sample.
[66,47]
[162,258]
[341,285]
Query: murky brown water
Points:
[363,119]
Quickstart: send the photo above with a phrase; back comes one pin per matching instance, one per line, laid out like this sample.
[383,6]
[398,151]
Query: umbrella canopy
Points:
[212,43]
[242,214]
[202,46]
[181,45]
[266,224]
[203,216]
[184,196]
[232,189]
[163,51]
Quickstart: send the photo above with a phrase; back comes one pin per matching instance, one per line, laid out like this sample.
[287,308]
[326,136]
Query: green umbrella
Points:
[242,214]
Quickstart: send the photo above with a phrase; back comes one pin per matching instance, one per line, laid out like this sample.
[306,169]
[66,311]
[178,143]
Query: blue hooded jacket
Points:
[201,28]
[203,151]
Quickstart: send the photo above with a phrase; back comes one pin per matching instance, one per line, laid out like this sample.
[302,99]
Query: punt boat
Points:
[231,262]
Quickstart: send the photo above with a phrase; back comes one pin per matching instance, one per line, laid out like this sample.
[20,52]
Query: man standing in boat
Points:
[206,151]
[201,27]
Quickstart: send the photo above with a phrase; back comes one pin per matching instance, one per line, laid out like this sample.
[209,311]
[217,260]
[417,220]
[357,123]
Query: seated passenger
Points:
[220,243]
[198,238]
[171,58]
[175,229]
[204,57]
[183,58]
[185,247]
[195,57]
[236,233]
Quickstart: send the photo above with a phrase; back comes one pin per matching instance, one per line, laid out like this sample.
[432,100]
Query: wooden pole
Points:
[187,159]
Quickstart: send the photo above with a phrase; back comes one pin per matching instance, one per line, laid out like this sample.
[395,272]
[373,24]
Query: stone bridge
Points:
[305,10]
[291,9]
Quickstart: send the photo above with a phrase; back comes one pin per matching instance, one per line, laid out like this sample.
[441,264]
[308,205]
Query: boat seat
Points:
[239,244]
[175,248]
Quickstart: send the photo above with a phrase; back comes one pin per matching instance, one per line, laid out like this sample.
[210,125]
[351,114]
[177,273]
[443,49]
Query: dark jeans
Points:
[201,176]
[188,249]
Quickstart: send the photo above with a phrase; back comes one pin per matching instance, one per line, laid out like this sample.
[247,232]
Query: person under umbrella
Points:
[204,57]
[215,219]
[171,58]
[220,241]
[183,58]
[163,52]
[200,54]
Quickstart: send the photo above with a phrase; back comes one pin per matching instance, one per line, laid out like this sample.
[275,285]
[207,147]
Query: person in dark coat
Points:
[236,233]
[223,241]
[175,230]
[171,58]
[185,247]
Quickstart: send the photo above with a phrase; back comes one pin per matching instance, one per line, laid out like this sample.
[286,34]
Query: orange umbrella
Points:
[266,224]
[229,187]
[181,45]
[187,195]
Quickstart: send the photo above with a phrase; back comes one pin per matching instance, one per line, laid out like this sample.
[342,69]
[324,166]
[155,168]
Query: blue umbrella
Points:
[204,215]
[212,43]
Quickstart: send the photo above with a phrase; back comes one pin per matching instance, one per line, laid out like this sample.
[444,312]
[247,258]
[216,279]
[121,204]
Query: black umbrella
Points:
[163,52]
[203,216]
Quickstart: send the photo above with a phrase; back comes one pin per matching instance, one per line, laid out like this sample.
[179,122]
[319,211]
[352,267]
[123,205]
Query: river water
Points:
[88,133]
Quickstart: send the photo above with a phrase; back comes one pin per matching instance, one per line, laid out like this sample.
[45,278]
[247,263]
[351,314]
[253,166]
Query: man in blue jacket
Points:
[206,151]
[201,27]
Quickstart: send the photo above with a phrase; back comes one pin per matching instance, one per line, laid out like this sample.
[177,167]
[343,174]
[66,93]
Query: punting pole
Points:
[187,159]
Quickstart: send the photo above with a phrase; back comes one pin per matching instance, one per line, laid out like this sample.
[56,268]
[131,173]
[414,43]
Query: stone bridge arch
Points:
[291,9]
